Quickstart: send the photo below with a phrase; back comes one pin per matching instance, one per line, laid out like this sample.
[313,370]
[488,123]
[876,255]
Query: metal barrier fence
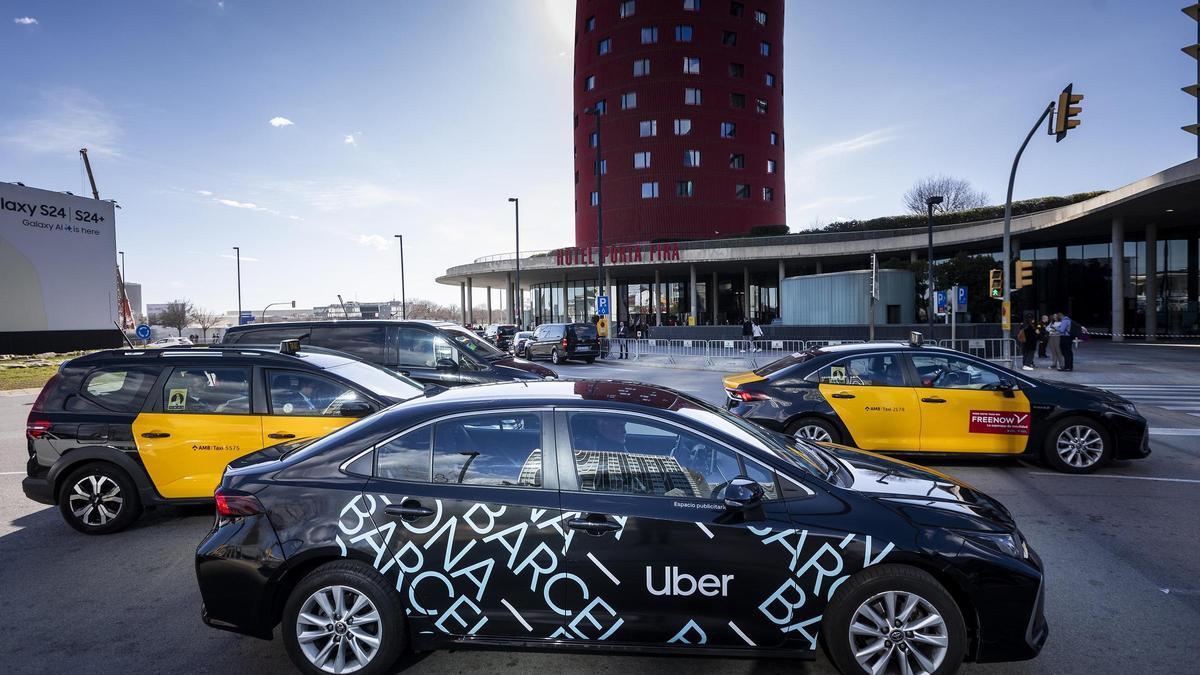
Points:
[1000,350]
[751,353]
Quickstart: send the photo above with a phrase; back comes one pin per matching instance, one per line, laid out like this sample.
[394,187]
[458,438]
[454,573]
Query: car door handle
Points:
[931,399]
[281,434]
[593,524]
[842,394]
[409,509]
[156,434]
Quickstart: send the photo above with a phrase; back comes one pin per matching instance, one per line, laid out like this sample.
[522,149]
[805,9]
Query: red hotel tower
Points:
[691,94]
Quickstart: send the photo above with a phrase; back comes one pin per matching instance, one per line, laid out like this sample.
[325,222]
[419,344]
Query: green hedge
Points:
[985,213]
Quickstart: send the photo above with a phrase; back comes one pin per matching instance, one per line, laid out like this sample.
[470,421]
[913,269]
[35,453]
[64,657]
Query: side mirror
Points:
[355,409]
[447,364]
[1006,387]
[742,493]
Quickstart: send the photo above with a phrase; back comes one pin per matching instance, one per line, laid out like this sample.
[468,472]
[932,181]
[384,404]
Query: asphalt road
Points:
[1121,550]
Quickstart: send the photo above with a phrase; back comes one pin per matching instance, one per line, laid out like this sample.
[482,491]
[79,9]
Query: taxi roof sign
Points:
[915,338]
[289,346]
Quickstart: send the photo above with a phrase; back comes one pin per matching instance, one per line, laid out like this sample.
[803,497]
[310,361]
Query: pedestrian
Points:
[747,333]
[757,332]
[1043,328]
[1070,331]
[1028,338]
[623,339]
[1053,340]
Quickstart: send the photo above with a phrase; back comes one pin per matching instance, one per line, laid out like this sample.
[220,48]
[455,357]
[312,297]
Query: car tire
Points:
[1077,445]
[590,360]
[99,498]
[815,429]
[352,581]
[555,358]
[862,602]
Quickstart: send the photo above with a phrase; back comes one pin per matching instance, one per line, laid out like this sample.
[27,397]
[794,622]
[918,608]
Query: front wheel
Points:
[814,429]
[894,619]
[99,499]
[342,618]
[555,358]
[1077,445]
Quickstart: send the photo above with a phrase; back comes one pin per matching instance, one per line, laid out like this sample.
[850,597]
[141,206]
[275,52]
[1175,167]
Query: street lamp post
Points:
[403,302]
[518,306]
[931,202]
[237,251]
[596,167]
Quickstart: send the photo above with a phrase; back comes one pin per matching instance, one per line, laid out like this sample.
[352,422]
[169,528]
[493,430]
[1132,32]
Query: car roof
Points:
[572,392]
[882,346]
[342,322]
[312,357]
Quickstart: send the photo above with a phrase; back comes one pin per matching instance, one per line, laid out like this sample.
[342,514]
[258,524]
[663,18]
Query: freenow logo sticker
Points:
[999,422]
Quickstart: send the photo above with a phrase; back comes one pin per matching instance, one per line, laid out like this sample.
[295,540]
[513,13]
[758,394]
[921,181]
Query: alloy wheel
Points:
[339,629]
[95,500]
[1080,446]
[813,432]
[898,632]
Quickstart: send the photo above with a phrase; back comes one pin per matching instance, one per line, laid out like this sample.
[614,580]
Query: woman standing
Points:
[1052,341]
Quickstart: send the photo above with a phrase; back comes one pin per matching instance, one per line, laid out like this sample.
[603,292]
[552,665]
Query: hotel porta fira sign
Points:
[614,255]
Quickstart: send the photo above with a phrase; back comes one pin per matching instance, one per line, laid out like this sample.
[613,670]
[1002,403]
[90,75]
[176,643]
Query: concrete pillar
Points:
[1151,281]
[692,295]
[912,256]
[470,303]
[654,299]
[462,300]
[489,304]
[745,292]
[566,310]
[782,275]
[1193,270]
[819,267]
[715,291]
[1117,253]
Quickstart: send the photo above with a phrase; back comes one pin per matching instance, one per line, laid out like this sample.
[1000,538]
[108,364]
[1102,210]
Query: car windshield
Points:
[379,380]
[471,342]
[786,362]
[584,331]
[506,330]
[799,455]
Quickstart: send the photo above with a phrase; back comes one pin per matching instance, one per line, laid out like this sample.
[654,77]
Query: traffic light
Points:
[1067,110]
[1024,275]
[996,284]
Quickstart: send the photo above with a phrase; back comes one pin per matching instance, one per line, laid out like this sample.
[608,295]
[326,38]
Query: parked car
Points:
[115,431]
[170,342]
[431,352]
[611,516]
[520,341]
[500,334]
[559,342]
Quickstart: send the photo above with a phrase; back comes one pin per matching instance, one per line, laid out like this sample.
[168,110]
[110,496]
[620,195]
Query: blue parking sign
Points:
[940,301]
[961,298]
[602,305]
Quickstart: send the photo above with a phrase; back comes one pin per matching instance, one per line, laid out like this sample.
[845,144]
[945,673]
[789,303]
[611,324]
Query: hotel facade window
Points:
[768,194]
[590,24]
[650,190]
[736,9]
[691,96]
[761,17]
[774,138]
[627,8]
[685,188]
[728,129]
[770,166]
[590,82]
[683,33]
[729,38]
[593,139]
[691,5]
[769,79]
[604,46]
[641,67]
[691,65]
[647,128]
[737,100]
[649,35]
[629,100]
[737,161]
[742,191]
[683,127]
[691,158]
[595,201]
[600,167]
[737,70]
[601,106]
[760,106]
[764,48]
[641,160]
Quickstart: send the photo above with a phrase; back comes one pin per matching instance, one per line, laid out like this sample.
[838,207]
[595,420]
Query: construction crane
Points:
[122,298]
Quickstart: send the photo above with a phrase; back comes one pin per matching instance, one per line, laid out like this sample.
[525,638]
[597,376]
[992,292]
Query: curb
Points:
[20,392]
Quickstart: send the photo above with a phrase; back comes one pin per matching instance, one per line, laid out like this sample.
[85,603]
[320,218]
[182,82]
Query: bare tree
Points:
[956,193]
[177,315]
[206,320]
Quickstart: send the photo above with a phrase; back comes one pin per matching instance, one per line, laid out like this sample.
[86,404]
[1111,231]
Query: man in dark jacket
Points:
[623,339]
[748,333]
[1028,337]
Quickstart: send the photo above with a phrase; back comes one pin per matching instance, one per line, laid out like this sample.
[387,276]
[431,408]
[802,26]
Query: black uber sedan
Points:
[603,515]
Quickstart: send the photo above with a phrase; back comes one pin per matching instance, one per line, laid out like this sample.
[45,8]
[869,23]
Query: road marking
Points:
[12,473]
[705,529]
[514,613]
[1104,475]
[603,568]
[741,634]
[1155,431]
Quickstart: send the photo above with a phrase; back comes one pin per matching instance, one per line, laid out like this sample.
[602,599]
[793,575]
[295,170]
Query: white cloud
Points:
[71,120]
[376,241]
[25,21]
[204,193]
[240,205]
[850,145]
[351,139]
[281,122]
[245,258]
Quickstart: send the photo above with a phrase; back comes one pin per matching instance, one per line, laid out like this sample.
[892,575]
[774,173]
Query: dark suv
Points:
[561,341]
[431,352]
[610,516]
[501,335]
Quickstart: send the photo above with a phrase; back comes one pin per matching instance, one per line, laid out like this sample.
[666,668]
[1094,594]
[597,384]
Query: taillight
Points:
[744,395]
[233,504]
[564,343]
[35,427]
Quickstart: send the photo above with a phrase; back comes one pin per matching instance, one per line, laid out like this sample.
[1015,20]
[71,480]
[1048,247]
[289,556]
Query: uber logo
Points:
[676,583]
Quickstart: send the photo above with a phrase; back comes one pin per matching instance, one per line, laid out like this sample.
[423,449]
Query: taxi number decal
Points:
[999,422]
[177,399]
[217,448]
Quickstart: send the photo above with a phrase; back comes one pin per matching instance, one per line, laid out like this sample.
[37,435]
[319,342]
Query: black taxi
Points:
[115,431]
[907,397]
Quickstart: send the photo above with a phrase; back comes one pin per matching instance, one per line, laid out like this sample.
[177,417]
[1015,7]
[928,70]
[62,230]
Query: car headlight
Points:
[1008,543]
[1125,406]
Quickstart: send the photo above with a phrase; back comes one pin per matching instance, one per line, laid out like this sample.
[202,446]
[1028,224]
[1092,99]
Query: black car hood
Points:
[1091,392]
[520,369]
[925,495]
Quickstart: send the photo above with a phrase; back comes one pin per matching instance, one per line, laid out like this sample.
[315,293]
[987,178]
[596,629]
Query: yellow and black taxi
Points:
[911,398]
[116,431]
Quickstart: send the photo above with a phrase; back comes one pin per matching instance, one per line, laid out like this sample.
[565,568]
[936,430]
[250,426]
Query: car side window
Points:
[364,342]
[206,389]
[422,349]
[764,476]
[119,389]
[944,371]
[499,449]
[633,455]
[869,370]
[406,457]
[305,395]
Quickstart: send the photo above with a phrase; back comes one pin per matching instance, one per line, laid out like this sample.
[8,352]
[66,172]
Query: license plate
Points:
[585,349]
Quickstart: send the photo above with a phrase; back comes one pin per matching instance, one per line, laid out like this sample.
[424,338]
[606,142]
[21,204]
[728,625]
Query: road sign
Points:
[960,298]
[940,301]
[143,331]
[245,318]
[602,305]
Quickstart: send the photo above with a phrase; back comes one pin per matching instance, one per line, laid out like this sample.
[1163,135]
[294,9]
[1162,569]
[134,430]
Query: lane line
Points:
[1174,432]
[514,613]
[603,569]
[13,473]
[1102,475]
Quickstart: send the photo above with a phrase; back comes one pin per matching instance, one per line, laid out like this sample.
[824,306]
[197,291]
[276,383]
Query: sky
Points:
[310,133]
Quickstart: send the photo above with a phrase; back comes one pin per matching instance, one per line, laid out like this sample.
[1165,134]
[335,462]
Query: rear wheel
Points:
[555,357]
[343,618]
[814,429]
[894,619]
[99,498]
[1077,445]
[590,360]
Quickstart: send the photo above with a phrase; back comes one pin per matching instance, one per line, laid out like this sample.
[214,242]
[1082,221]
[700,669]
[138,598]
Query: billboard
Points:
[57,262]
